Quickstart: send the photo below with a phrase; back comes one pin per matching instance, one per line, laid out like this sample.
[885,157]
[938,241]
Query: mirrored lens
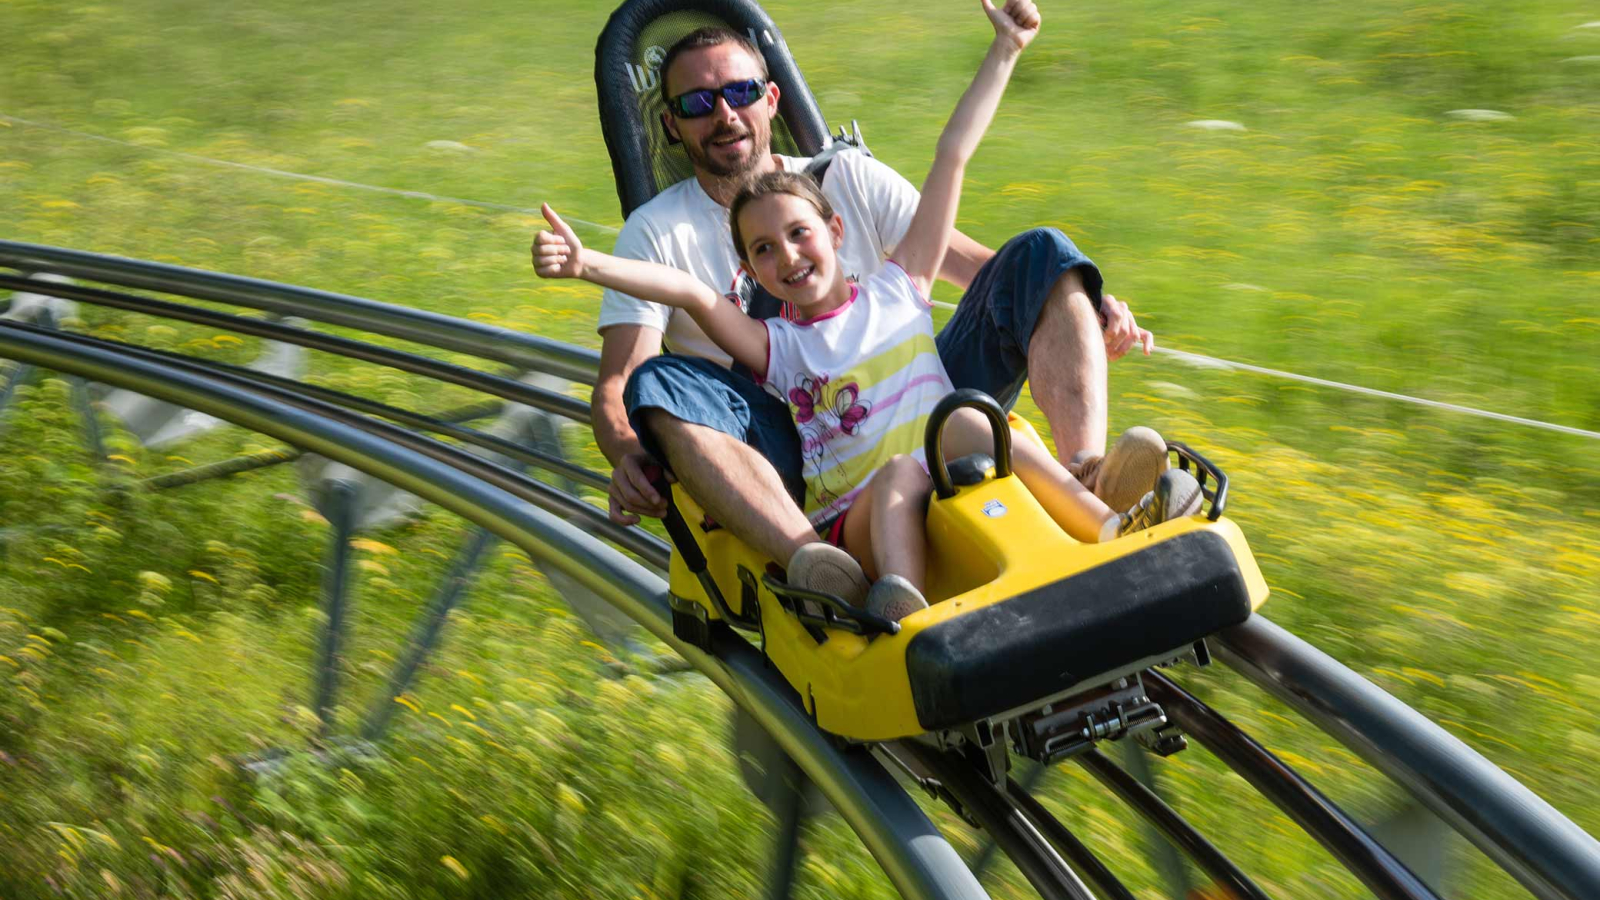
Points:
[743,93]
[694,103]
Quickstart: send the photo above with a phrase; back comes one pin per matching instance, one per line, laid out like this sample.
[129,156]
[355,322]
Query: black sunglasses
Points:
[697,103]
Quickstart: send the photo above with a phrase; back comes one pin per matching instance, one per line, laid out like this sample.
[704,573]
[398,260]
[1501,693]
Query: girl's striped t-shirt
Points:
[860,381]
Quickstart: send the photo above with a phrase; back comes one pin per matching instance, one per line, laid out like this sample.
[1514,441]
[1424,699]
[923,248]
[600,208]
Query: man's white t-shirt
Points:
[684,228]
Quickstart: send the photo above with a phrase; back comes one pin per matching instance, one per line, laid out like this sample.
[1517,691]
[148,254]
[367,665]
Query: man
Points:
[1033,311]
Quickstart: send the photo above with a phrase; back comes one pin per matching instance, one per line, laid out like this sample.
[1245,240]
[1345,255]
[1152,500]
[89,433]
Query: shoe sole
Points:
[829,576]
[1131,467]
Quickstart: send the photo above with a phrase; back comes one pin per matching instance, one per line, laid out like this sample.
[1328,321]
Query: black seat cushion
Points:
[1028,647]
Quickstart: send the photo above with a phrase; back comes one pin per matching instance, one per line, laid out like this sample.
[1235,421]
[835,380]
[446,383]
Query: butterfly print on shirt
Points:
[823,412]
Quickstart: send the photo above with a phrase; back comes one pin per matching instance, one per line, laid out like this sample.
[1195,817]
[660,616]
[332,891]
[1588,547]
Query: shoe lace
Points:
[1145,513]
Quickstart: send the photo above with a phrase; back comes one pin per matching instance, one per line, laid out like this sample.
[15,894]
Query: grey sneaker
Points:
[1176,495]
[894,598]
[1127,470]
[820,566]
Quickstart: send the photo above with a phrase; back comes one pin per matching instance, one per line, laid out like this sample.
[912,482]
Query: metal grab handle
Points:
[1203,467]
[934,447]
[834,611]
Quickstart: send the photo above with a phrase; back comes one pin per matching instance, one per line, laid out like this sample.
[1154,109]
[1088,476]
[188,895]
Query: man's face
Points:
[727,142]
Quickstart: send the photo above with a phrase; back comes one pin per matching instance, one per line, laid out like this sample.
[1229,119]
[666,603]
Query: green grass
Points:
[1355,231]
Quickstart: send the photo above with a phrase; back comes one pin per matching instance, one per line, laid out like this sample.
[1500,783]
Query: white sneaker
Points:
[893,597]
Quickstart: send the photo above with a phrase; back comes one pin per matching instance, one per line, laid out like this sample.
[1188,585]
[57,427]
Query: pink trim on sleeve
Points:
[914,292]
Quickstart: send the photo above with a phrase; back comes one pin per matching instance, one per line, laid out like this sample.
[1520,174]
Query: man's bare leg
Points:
[735,485]
[1067,370]
[1067,361]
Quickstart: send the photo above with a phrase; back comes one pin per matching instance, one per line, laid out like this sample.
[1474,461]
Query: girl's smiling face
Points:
[793,253]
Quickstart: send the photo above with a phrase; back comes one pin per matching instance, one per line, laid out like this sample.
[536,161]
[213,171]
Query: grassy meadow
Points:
[1350,218]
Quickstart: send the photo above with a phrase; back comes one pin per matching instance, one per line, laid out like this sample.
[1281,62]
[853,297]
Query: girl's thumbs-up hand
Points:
[1017,22]
[557,252]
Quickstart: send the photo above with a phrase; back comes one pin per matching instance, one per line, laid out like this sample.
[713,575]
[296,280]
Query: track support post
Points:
[425,635]
[340,510]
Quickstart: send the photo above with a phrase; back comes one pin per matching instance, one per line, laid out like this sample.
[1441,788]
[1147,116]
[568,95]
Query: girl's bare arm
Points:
[557,253]
[922,249]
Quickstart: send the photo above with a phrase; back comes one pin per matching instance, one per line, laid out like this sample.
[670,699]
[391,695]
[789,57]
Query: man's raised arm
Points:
[1118,327]
[962,259]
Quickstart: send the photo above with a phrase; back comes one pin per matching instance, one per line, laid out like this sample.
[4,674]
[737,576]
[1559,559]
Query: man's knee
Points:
[1042,250]
[678,438]
[1048,251]
[1071,299]
[1046,243]
[688,450]
[668,395]
[658,422]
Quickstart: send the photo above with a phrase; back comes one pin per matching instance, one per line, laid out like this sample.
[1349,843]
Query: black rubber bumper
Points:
[1030,646]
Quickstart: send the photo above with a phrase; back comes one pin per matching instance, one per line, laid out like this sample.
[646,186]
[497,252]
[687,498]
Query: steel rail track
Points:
[1382,873]
[1547,853]
[498,385]
[505,388]
[1550,855]
[474,338]
[1202,852]
[423,422]
[648,546]
[1016,834]
[1066,843]
[913,854]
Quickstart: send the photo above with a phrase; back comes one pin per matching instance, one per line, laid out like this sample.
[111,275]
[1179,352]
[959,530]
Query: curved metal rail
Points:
[1527,837]
[1551,856]
[486,341]
[1204,854]
[997,814]
[1379,869]
[506,388]
[913,854]
[546,497]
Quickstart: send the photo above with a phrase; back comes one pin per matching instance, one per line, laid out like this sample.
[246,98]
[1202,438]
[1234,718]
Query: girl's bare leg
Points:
[886,527]
[1074,507]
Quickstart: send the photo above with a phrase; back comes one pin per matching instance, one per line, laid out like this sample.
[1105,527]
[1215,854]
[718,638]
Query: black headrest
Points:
[627,78]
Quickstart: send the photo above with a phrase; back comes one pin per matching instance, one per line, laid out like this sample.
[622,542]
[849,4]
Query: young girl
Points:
[859,368]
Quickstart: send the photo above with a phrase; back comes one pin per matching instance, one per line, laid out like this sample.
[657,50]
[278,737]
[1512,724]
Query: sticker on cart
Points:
[994,509]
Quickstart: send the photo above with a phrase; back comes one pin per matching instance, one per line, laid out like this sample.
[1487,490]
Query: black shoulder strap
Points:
[817,168]
[755,299]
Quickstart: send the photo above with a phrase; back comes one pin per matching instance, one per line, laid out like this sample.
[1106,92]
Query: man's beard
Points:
[760,145]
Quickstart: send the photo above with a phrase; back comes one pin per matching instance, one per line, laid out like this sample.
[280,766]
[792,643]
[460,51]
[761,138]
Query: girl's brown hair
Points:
[780,182]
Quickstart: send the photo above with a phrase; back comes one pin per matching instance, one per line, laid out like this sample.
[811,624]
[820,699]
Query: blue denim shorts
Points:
[985,343]
[983,346]
[700,392]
